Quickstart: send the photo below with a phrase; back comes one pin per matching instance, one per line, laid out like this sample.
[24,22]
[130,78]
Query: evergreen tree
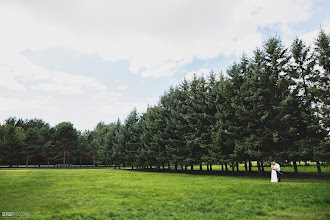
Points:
[82,147]
[131,134]
[174,103]
[11,143]
[118,147]
[302,132]
[65,141]
[321,92]
[224,140]
[37,138]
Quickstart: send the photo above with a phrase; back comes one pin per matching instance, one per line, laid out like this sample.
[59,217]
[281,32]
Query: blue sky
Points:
[88,61]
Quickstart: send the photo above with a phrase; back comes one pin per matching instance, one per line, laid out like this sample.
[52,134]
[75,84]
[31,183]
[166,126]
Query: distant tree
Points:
[65,140]
[11,143]
[118,145]
[301,134]
[81,151]
[37,138]
[174,135]
[106,137]
[131,135]
[97,143]
[153,151]
[321,92]
[226,130]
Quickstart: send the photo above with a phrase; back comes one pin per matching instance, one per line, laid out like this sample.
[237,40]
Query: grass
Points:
[123,194]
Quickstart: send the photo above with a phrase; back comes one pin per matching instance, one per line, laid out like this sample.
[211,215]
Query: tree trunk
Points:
[295,167]
[237,167]
[258,164]
[27,161]
[222,168]
[246,167]
[318,168]
[250,166]
[64,152]
[168,165]
[192,167]
[262,168]
[232,168]
[226,166]
[211,167]
[132,167]
[68,158]
[200,167]
[207,167]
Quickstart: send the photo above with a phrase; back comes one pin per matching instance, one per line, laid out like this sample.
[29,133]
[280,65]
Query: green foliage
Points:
[12,143]
[65,141]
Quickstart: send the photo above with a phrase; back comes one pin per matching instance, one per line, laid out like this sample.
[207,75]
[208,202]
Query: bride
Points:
[273,177]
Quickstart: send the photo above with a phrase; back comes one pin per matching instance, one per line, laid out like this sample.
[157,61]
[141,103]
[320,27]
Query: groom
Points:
[278,171]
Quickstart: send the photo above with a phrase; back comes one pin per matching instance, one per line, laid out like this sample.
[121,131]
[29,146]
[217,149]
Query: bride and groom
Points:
[276,172]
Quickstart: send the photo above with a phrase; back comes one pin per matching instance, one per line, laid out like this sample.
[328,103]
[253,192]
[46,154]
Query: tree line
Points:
[273,105]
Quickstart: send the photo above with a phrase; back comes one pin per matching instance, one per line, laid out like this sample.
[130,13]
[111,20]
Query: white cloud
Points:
[65,84]
[123,87]
[157,37]
[310,37]
[104,97]
[8,79]
[25,108]
[121,109]
[202,72]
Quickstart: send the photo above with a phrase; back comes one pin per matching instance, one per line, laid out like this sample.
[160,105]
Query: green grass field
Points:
[124,194]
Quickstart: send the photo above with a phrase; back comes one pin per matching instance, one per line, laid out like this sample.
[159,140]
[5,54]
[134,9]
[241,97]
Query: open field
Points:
[123,194]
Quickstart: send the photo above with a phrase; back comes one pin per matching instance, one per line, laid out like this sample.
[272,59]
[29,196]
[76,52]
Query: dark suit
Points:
[278,172]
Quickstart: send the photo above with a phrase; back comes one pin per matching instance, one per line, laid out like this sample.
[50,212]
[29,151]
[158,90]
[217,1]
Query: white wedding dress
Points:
[273,176]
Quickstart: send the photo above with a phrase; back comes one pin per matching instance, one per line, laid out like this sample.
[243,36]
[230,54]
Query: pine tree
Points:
[131,135]
[118,145]
[303,125]
[321,92]
[65,141]
[11,143]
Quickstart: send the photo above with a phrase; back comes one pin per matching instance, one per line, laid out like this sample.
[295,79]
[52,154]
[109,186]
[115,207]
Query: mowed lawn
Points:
[123,194]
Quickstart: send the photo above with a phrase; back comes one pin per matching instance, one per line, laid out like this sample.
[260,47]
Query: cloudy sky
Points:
[87,61]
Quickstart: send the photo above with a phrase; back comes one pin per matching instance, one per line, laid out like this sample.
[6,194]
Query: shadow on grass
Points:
[264,174]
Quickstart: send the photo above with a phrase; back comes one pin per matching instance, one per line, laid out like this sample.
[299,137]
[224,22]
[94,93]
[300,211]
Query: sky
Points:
[87,61]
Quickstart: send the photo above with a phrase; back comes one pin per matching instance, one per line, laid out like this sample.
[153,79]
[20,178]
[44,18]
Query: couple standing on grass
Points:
[276,172]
